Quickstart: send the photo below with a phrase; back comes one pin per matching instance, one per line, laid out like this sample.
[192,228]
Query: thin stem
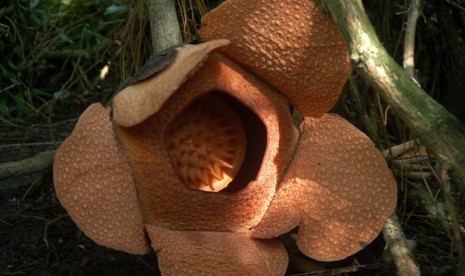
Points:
[409,39]
[164,24]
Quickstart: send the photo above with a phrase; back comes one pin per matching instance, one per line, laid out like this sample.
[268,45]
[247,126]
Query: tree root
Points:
[34,164]
[400,248]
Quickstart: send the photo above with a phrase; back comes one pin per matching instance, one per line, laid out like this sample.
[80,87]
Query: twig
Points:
[45,236]
[409,39]
[443,179]
[455,4]
[31,144]
[397,243]
[4,222]
[38,181]
[30,165]
[340,271]
[397,150]
[454,224]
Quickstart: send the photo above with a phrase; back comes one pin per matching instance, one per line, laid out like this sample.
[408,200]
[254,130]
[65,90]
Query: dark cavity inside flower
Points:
[216,144]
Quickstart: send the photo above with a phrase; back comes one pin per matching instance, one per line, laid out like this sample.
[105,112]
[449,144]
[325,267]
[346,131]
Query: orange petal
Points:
[292,45]
[216,253]
[93,182]
[139,101]
[338,187]
[165,200]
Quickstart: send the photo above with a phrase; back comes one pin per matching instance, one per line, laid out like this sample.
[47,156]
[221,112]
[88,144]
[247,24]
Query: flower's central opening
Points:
[208,143]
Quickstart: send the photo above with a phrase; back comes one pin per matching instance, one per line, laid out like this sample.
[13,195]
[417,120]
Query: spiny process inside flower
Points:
[207,144]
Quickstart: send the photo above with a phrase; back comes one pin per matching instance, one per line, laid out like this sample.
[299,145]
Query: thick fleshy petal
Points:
[293,45]
[216,253]
[93,182]
[163,197]
[139,101]
[338,187]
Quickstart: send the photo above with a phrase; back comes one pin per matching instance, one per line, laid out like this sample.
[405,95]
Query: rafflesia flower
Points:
[203,160]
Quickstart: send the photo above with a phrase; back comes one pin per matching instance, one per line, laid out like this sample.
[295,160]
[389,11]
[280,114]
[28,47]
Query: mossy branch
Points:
[438,129]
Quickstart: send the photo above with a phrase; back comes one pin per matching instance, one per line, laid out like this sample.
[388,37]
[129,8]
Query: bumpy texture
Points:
[216,253]
[137,102]
[95,185]
[290,44]
[117,175]
[338,188]
[207,144]
[164,199]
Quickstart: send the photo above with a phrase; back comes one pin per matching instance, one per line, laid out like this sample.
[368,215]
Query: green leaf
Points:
[38,92]
[66,2]
[22,106]
[66,38]
[34,3]
[4,110]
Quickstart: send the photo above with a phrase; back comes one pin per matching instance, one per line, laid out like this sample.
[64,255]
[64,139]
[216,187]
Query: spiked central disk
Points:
[207,144]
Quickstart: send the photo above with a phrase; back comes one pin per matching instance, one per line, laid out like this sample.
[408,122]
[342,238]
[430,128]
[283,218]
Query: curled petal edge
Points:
[136,102]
